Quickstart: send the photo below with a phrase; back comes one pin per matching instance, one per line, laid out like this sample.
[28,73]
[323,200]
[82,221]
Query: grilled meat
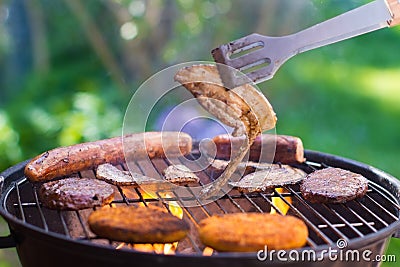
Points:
[266,147]
[115,176]
[333,185]
[271,176]
[180,174]
[244,108]
[75,194]
[67,160]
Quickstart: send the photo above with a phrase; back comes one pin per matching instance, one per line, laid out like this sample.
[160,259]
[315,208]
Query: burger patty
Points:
[137,225]
[75,194]
[333,185]
[245,232]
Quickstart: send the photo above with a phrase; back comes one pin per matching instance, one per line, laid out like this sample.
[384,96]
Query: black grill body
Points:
[47,238]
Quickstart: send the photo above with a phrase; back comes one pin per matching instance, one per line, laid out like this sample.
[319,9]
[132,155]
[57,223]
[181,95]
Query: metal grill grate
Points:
[327,223]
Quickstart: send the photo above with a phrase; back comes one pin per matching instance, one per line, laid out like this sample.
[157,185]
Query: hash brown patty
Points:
[137,225]
[246,232]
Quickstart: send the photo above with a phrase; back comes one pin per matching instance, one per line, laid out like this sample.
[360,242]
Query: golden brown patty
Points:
[137,225]
[252,231]
[75,194]
[333,185]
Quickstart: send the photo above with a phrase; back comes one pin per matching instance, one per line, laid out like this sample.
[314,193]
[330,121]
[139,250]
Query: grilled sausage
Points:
[287,149]
[67,160]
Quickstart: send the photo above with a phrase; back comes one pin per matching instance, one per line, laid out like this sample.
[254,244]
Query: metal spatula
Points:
[259,57]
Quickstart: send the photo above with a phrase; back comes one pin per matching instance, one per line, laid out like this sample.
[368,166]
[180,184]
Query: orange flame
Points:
[168,248]
[208,251]
[279,203]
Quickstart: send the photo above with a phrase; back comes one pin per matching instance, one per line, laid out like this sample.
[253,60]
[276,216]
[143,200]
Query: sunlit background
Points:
[69,67]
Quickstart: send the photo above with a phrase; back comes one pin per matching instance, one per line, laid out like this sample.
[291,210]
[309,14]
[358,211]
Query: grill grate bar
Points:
[270,203]
[253,203]
[21,210]
[310,242]
[124,198]
[86,233]
[382,208]
[142,200]
[203,207]
[371,212]
[43,219]
[323,236]
[318,215]
[194,245]
[380,191]
[210,175]
[355,213]
[347,223]
[63,223]
[202,184]
[341,225]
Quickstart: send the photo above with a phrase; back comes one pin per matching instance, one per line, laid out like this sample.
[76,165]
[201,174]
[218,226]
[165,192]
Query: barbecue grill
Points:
[46,237]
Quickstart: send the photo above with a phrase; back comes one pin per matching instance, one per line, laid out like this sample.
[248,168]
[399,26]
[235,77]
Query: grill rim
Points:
[15,174]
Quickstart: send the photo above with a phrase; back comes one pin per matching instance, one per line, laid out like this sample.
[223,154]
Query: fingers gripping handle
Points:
[394,6]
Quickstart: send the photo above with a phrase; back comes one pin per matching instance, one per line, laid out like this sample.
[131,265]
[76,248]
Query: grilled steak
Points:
[113,175]
[274,175]
[75,194]
[243,232]
[137,225]
[180,174]
[333,185]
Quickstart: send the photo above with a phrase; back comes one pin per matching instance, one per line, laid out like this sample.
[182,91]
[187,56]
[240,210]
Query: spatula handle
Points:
[370,17]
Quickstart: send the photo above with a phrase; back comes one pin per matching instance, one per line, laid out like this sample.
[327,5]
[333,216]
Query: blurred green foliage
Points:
[69,67]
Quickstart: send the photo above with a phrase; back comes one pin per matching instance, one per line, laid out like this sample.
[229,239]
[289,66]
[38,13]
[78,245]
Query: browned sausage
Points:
[289,149]
[67,160]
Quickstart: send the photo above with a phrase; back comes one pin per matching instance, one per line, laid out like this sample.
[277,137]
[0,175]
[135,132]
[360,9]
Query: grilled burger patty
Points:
[75,194]
[242,232]
[333,185]
[137,225]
